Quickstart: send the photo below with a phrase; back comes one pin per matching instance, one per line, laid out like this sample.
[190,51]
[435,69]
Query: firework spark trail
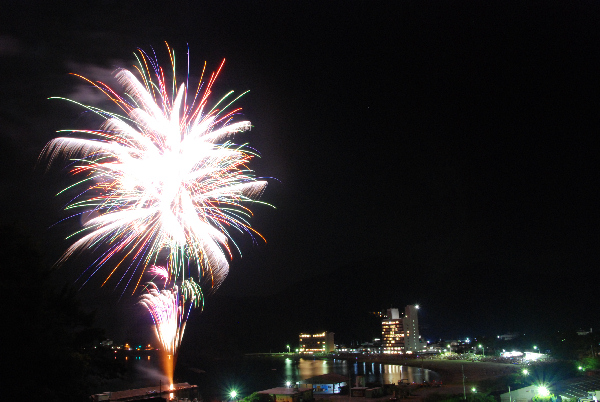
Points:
[170,309]
[163,176]
[160,272]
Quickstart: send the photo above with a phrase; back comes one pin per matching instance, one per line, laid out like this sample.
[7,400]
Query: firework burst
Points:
[170,309]
[162,177]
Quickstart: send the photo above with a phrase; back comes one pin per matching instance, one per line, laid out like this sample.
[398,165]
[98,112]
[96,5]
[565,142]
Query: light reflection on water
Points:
[372,372]
[247,375]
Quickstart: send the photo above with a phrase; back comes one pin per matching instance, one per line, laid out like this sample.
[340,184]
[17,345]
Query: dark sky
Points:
[449,147]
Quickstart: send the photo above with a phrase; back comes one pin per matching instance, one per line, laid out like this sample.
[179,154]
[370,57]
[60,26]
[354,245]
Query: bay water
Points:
[216,378]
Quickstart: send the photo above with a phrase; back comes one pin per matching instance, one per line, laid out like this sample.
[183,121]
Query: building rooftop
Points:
[577,387]
[139,393]
[571,388]
[326,379]
[285,390]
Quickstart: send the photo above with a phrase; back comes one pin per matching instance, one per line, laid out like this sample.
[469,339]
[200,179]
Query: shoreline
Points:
[451,371]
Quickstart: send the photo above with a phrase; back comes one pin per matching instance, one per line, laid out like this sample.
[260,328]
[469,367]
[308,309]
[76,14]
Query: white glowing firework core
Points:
[164,177]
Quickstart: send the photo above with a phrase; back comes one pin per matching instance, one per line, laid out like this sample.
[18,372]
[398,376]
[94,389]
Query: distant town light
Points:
[514,353]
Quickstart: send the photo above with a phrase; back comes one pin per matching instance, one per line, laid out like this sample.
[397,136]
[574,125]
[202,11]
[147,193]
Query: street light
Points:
[233,394]
[288,346]
[525,371]
[543,391]
[483,349]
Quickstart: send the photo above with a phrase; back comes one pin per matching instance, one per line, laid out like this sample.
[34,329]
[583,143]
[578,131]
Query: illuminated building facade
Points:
[392,334]
[401,334]
[317,343]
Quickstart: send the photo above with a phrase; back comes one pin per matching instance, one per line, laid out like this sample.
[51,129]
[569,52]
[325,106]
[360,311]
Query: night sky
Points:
[434,152]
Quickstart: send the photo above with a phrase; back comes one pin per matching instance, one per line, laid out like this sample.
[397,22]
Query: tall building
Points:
[412,339]
[401,334]
[392,334]
[317,343]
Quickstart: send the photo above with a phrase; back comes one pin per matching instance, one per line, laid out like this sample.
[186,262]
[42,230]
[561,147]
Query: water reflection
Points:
[372,372]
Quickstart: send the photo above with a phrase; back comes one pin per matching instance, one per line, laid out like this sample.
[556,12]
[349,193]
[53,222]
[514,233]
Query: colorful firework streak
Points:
[165,187]
[170,309]
[163,179]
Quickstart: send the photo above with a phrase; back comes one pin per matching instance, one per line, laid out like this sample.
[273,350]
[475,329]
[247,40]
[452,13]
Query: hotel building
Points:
[317,343]
[401,334]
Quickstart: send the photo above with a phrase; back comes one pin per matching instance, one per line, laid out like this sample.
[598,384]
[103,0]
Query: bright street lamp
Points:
[233,394]
[483,349]
[543,391]
[525,371]
[288,346]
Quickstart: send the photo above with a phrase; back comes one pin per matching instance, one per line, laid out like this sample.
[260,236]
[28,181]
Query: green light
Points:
[525,371]
[543,391]
[233,394]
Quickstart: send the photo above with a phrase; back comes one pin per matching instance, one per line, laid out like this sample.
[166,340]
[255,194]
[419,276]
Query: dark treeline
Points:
[49,337]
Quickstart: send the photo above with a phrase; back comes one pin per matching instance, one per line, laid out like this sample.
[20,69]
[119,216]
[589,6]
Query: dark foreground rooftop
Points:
[144,393]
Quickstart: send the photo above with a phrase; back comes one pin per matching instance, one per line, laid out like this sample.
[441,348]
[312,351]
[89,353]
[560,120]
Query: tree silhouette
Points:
[46,329]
